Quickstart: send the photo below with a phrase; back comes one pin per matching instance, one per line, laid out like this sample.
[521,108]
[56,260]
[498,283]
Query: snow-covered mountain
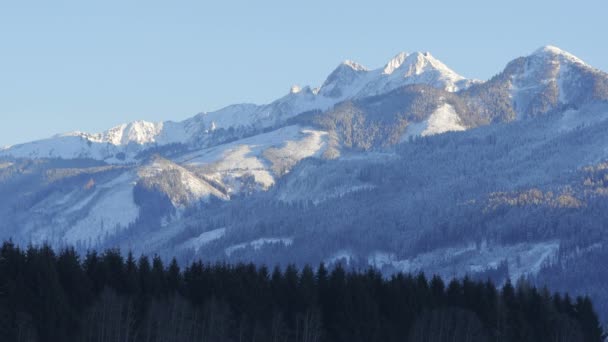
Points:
[350,80]
[551,77]
[408,167]
[548,79]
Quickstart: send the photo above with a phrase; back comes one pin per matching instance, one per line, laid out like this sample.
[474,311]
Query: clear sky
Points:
[89,65]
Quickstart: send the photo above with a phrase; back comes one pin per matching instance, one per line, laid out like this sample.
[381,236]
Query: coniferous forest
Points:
[61,296]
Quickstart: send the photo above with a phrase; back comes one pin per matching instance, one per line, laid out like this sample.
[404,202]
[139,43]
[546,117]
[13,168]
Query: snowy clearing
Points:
[115,209]
[259,243]
[197,242]
[525,258]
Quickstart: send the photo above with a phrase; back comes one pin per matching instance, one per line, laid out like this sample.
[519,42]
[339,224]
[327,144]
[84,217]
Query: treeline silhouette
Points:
[49,296]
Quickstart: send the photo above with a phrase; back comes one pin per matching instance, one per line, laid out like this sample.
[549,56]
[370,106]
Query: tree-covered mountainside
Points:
[48,296]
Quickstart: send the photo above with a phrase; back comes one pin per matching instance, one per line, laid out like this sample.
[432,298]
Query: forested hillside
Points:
[46,296]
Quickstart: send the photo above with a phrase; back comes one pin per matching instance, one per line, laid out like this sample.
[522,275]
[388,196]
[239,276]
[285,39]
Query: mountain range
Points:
[408,167]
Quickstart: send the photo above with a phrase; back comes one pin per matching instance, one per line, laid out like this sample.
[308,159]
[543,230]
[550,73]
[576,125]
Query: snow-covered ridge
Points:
[116,145]
[548,66]
[395,63]
[354,65]
[350,80]
[139,132]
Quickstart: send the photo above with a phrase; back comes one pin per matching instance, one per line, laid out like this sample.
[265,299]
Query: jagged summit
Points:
[352,80]
[295,89]
[416,63]
[395,63]
[345,69]
[354,65]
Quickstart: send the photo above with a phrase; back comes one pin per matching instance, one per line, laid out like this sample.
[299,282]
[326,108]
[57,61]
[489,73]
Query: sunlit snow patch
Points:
[443,119]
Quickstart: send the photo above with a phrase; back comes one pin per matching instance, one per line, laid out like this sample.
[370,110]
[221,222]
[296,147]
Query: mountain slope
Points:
[243,149]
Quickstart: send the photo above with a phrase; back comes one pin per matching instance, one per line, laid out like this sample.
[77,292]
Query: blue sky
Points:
[89,65]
